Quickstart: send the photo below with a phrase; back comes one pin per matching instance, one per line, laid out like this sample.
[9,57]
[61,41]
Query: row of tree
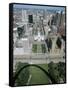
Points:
[57,71]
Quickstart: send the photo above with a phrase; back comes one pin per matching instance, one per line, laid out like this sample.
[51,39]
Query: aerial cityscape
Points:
[39,39]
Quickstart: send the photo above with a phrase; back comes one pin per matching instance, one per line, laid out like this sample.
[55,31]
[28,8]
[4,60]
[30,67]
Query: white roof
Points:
[14,29]
[24,39]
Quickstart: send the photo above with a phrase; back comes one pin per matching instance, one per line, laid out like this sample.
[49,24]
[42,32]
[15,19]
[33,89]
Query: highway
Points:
[38,58]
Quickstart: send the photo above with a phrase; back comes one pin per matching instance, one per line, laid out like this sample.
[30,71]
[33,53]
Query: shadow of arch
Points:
[45,72]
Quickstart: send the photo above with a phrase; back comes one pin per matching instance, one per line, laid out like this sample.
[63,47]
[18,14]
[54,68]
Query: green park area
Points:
[38,48]
[33,75]
[38,76]
[34,48]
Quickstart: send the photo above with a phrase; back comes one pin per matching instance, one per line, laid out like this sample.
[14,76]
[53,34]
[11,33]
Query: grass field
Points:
[38,48]
[38,76]
[35,76]
[34,48]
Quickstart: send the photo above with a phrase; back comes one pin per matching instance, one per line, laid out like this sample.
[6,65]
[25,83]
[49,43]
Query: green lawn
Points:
[34,48]
[43,48]
[33,75]
[44,66]
[38,48]
[38,76]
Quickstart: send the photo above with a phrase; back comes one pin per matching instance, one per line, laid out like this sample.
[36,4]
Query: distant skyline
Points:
[54,8]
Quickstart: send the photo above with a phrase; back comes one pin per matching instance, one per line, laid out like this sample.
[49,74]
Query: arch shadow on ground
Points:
[37,66]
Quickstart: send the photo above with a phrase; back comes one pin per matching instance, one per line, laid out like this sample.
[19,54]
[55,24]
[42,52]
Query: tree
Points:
[20,31]
[61,69]
[49,43]
[24,75]
[57,71]
[43,48]
[58,42]
[34,48]
[52,69]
